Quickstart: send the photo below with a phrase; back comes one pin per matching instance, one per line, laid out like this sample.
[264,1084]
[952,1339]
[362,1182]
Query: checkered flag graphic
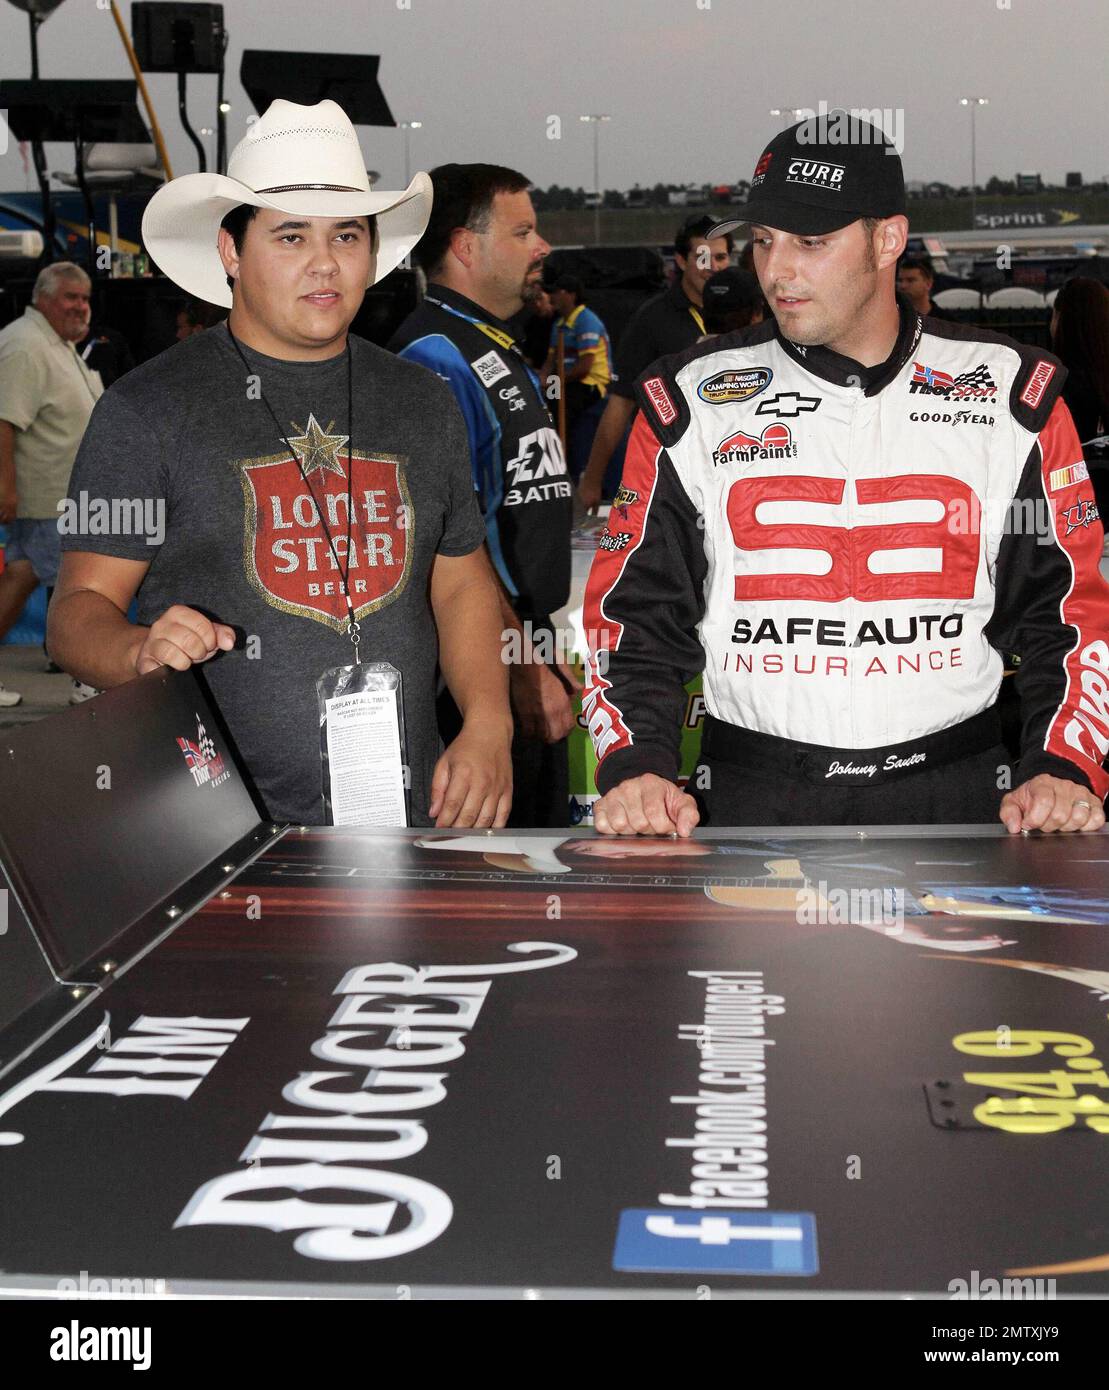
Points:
[204,743]
[975,383]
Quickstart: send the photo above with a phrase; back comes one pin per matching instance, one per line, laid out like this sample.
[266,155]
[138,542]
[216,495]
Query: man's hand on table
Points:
[646,805]
[1051,803]
[472,785]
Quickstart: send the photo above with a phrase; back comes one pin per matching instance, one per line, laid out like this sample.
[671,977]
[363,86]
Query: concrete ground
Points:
[24,669]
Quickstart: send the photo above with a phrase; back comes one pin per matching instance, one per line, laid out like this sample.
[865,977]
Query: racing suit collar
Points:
[466,306]
[845,371]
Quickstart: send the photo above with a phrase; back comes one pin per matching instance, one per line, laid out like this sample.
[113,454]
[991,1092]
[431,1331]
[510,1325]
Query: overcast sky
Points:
[688,83]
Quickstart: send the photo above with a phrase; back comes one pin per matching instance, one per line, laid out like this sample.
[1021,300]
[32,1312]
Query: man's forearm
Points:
[471,657]
[581,368]
[510,622]
[614,421]
[90,638]
[7,454]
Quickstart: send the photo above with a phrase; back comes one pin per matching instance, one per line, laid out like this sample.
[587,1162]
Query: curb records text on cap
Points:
[819,176]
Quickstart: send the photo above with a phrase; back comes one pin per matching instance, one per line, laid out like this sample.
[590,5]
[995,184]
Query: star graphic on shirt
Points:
[317,448]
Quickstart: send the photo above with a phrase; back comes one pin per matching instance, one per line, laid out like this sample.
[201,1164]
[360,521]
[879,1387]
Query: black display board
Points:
[70,110]
[171,37]
[110,808]
[794,1062]
[307,78]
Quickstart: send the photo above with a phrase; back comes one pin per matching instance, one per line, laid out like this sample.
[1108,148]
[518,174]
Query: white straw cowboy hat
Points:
[303,160]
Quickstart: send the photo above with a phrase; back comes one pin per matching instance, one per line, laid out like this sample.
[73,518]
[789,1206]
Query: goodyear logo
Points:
[726,387]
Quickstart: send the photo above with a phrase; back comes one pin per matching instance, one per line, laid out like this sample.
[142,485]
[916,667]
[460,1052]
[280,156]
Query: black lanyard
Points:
[353,628]
[502,339]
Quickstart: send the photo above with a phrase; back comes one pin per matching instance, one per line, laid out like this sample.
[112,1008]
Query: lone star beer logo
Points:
[286,554]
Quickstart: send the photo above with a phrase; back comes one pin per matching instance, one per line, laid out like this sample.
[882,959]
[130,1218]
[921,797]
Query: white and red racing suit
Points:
[847,552]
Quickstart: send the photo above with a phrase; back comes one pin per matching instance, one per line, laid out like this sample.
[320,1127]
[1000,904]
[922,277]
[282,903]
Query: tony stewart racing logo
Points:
[286,554]
[775,442]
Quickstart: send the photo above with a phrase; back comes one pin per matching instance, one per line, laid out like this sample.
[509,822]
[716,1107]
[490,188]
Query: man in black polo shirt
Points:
[915,278]
[669,323]
[483,257]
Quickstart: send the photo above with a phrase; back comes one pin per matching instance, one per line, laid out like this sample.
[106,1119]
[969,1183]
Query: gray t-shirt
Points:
[244,541]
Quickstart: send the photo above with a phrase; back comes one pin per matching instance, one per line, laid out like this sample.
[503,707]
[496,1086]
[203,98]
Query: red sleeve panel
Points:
[1052,595]
[643,602]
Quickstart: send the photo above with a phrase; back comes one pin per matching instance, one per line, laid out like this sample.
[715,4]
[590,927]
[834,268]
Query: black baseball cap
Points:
[823,174]
[730,289]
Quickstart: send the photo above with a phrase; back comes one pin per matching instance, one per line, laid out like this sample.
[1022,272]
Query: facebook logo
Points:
[711,1242]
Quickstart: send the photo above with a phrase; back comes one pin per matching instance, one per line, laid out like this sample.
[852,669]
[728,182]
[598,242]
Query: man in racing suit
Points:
[843,517]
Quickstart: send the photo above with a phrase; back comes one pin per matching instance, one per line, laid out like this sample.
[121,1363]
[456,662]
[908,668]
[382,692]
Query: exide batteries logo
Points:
[205,764]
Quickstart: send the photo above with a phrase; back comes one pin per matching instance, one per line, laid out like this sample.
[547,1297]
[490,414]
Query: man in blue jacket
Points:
[483,257]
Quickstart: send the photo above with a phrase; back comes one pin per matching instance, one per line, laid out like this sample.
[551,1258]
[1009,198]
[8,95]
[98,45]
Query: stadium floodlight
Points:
[974,103]
[595,120]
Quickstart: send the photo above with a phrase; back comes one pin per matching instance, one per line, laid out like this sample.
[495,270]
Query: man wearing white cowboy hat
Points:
[312,491]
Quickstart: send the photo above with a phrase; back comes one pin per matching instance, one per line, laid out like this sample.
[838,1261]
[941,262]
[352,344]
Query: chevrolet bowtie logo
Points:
[787,405]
